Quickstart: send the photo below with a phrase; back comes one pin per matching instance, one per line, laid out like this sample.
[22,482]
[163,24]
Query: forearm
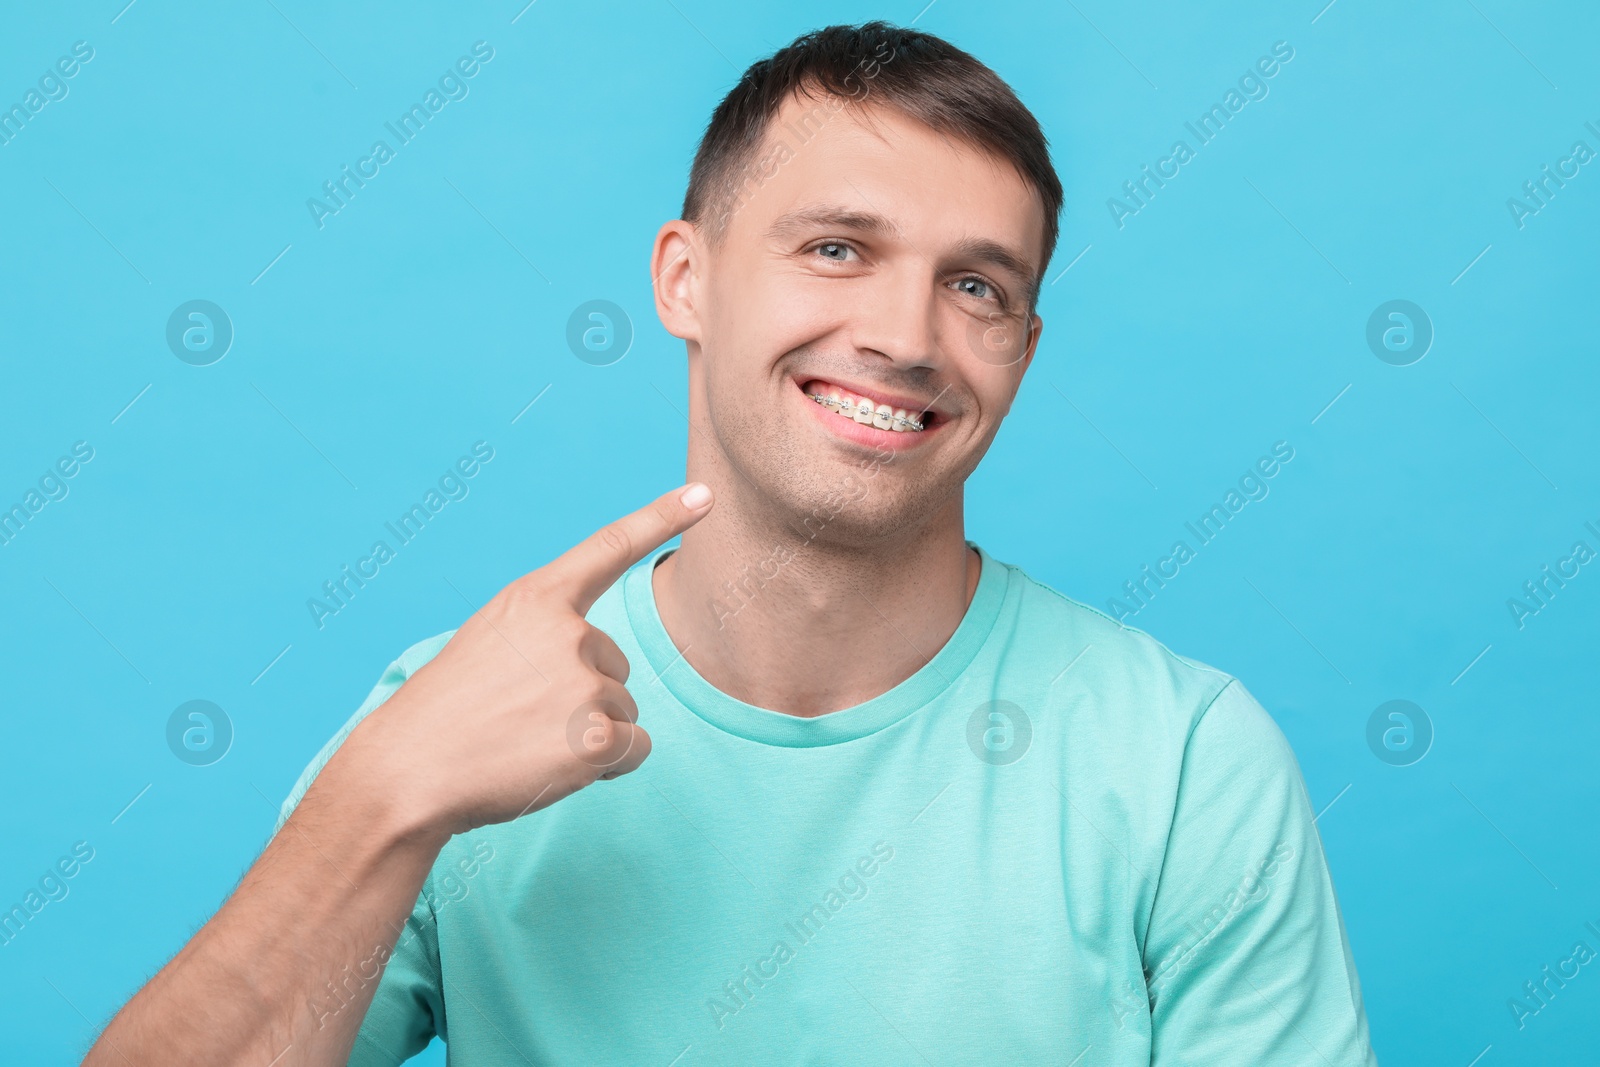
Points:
[330,894]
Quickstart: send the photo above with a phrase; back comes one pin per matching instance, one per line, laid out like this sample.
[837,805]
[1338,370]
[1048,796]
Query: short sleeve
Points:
[407,1010]
[1246,959]
[389,683]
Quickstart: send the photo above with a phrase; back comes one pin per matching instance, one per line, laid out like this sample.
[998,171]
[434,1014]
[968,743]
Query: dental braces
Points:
[848,408]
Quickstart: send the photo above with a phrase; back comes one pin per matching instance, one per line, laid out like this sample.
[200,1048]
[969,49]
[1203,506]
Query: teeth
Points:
[865,412]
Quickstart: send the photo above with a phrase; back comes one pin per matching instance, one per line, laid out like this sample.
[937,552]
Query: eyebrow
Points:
[979,249]
[984,250]
[809,218]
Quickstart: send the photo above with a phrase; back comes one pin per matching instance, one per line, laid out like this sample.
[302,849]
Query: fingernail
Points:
[696,496]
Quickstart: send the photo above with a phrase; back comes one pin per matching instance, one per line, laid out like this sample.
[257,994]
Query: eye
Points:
[975,286]
[837,251]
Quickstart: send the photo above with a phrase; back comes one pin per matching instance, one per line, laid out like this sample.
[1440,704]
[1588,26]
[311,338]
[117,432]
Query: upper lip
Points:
[877,396]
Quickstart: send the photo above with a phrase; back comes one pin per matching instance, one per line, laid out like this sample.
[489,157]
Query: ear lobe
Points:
[674,269]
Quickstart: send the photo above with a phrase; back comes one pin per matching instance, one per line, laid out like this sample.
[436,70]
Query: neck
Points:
[806,626]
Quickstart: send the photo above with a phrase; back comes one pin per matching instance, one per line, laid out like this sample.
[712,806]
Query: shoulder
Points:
[389,682]
[1143,734]
[1128,664]
[1127,692]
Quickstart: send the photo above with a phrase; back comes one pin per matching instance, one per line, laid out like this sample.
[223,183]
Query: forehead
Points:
[934,186]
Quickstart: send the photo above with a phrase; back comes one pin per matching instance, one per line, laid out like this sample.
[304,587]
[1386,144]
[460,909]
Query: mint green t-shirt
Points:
[1055,843]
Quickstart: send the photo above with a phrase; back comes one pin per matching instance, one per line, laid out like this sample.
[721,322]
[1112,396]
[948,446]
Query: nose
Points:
[898,318]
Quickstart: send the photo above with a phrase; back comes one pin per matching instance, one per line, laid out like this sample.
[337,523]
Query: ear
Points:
[676,263]
[1036,327]
[1033,344]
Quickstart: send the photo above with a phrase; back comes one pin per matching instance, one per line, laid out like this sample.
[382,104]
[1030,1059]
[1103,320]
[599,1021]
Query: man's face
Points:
[870,258]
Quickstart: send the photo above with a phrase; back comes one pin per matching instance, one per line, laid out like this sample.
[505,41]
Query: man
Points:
[902,803]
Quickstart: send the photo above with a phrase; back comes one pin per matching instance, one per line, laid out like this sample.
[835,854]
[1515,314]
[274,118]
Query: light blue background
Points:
[425,316]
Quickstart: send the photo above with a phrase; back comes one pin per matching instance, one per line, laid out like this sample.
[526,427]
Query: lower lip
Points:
[863,434]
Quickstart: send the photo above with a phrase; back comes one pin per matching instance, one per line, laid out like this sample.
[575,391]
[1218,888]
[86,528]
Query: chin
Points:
[848,505]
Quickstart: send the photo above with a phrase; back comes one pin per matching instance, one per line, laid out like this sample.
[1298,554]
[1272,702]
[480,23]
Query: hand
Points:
[526,704]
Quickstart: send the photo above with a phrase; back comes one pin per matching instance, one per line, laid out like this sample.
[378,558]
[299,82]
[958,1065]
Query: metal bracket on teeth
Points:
[913,423]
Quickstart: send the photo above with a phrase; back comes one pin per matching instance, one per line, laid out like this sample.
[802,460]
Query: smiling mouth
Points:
[851,405]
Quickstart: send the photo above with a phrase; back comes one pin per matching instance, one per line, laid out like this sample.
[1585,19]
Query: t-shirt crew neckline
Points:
[791,731]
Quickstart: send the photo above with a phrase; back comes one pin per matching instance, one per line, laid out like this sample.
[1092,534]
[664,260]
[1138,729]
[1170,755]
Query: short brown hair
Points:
[922,76]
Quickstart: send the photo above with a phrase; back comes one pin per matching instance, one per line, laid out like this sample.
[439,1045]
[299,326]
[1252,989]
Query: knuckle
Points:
[603,652]
[594,691]
[592,642]
[615,537]
[623,700]
[596,737]
[573,629]
[562,631]
[526,590]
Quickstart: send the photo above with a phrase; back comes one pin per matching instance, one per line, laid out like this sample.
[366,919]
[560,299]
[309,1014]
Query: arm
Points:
[524,706]
[333,889]
[1246,960]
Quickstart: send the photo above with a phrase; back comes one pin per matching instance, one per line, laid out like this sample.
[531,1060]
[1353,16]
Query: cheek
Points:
[795,305]
[987,392]
[986,339]
[758,321]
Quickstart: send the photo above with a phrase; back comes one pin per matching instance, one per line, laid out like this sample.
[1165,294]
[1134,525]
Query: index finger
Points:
[594,564]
